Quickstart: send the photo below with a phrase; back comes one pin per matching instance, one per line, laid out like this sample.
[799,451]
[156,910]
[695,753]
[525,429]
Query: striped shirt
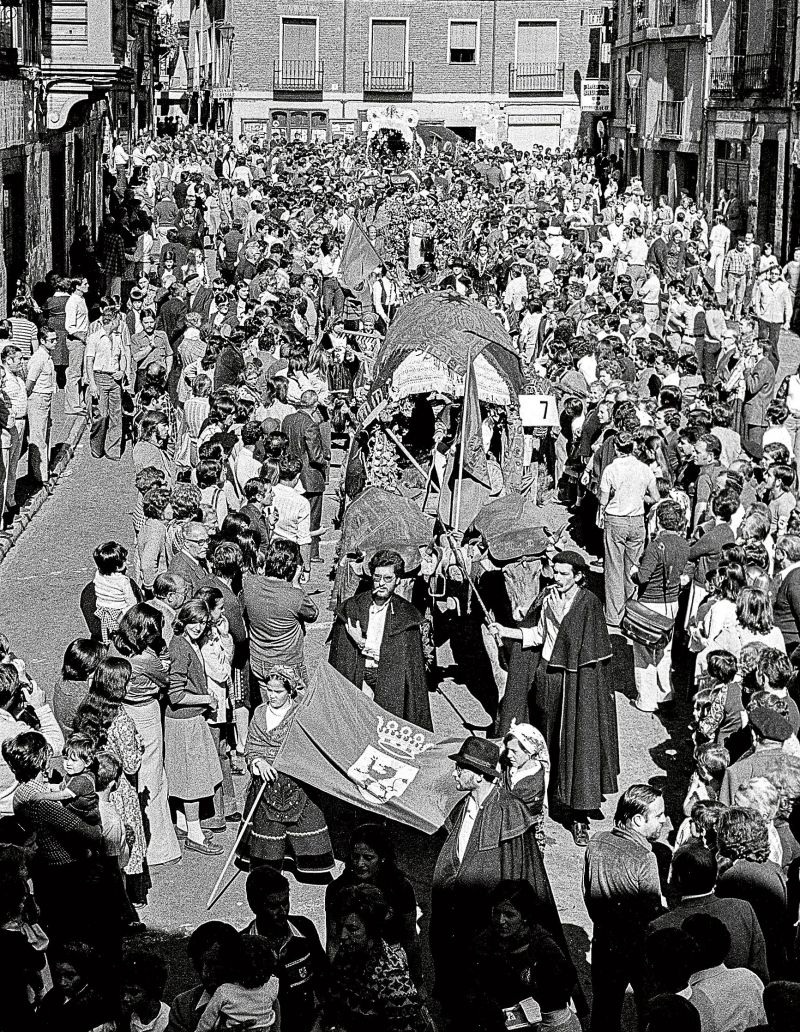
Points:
[23,334]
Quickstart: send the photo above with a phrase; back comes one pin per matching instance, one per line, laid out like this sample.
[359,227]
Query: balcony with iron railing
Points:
[298,76]
[739,74]
[678,13]
[389,77]
[536,78]
[670,119]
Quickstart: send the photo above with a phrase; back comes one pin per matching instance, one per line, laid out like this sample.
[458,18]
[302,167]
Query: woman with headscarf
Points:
[526,771]
[285,815]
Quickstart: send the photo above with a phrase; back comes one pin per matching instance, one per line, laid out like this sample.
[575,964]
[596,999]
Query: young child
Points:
[779,481]
[114,593]
[115,836]
[80,767]
[710,764]
[725,715]
[248,999]
[143,978]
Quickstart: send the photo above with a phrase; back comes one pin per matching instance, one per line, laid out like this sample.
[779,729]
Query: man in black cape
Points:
[376,642]
[572,702]
[491,838]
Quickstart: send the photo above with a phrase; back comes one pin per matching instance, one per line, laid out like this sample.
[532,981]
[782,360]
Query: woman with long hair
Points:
[138,639]
[80,661]
[190,757]
[103,717]
[371,860]
[150,449]
[285,816]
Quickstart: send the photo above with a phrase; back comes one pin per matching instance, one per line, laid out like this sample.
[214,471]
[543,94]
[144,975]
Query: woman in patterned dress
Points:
[103,717]
[285,815]
[369,987]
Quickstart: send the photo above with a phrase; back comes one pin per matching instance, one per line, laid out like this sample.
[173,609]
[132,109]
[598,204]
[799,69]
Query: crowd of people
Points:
[223,331]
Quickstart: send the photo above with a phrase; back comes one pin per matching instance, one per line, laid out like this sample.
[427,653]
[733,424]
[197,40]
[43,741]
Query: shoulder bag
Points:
[644,625]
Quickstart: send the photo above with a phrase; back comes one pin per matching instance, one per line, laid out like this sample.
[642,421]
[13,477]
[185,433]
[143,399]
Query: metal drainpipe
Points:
[344,53]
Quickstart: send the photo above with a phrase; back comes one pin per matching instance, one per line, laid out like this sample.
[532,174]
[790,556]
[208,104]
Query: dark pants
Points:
[707,356]
[752,440]
[315,501]
[772,331]
[332,297]
[106,434]
[617,962]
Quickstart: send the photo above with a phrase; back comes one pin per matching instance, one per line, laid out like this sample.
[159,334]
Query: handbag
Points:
[644,625]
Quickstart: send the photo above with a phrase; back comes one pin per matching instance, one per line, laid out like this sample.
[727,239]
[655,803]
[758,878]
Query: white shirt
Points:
[467,823]
[158,1024]
[376,625]
[76,315]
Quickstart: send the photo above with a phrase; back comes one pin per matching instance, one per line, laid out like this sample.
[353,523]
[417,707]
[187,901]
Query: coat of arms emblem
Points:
[385,773]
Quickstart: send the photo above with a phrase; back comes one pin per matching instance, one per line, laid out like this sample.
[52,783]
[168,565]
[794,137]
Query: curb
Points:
[23,521]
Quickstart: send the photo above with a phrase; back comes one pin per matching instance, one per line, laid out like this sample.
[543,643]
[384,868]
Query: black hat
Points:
[769,724]
[480,755]
[569,557]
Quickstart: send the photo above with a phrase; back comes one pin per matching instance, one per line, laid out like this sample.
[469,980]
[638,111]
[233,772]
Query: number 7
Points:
[545,402]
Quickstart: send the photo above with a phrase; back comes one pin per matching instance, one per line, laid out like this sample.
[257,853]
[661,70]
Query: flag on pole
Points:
[359,258]
[465,486]
[342,743]
[474,462]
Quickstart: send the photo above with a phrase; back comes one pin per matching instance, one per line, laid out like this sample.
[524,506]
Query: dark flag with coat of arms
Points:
[359,258]
[342,743]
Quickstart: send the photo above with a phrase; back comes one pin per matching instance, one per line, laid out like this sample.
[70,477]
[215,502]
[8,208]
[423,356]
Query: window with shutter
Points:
[299,40]
[537,43]
[463,42]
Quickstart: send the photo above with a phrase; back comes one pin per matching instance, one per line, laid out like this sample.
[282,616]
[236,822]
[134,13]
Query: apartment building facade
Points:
[752,102]
[659,81]
[533,72]
[72,73]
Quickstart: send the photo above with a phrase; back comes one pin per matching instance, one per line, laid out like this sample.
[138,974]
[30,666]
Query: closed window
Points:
[463,42]
[537,43]
[388,43]
[299,40]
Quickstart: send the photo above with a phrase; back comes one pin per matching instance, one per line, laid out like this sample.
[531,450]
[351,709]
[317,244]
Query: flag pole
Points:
[239,837]
[462,444]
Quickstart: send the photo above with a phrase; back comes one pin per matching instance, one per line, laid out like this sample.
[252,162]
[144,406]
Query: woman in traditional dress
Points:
[285,814]
[526,771]
[572,701]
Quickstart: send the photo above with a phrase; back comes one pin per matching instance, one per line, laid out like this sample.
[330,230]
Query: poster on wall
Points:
[596,95]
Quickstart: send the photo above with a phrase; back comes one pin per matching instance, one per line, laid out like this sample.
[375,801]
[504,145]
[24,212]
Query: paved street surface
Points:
[41,581]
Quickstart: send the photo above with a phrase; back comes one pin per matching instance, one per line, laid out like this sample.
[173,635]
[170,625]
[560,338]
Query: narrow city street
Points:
[42,579]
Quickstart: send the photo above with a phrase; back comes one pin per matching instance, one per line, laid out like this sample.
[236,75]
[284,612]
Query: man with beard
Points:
[376,642]
[490,839]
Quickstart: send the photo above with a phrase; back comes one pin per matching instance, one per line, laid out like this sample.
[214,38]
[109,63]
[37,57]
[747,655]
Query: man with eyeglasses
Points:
[190,562]
[772,305]
[377,643]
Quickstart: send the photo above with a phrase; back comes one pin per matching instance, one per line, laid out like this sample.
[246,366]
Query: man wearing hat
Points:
[491,838]
[769,730]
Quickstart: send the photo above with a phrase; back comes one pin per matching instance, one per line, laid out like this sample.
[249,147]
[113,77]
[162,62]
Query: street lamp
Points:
[634,77]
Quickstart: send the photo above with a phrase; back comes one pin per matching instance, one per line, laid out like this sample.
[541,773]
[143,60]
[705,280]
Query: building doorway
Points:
[767,191]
